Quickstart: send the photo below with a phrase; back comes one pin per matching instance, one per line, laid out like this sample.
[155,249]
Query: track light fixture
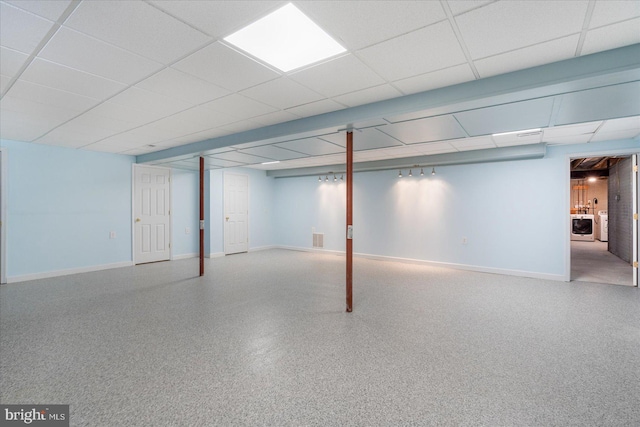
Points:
[319,179]
[410,174]
[421,172]
[334,178]
[326,178]
[433,171]
[342,178]
[400,173]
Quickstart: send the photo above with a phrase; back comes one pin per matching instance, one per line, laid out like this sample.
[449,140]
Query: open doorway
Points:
[602,200]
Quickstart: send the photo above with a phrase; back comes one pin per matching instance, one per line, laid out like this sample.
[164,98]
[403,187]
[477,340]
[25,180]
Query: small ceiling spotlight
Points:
[400,174]
[421,172]
[410,174]
[433,171]
[342,178]
[326,178]
[319,179]
[334,178]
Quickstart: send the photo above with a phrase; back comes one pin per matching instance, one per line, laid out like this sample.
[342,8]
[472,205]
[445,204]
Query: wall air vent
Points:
[318,240]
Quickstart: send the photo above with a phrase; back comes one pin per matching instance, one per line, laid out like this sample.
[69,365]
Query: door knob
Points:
[227,218]
[137,219]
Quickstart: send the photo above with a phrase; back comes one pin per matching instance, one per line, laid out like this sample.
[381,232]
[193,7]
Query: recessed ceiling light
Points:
[286,39]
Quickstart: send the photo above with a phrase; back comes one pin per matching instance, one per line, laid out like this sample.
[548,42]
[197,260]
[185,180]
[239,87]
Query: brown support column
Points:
[201,216]
[349,221]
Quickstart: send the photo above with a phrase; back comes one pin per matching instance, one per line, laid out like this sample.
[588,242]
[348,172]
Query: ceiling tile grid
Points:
[126,75]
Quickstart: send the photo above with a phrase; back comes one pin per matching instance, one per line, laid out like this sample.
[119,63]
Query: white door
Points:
[151,213]
[236,213]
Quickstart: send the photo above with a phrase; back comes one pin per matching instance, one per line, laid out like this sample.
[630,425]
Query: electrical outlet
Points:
[187,230]
[112,234]
[464,240]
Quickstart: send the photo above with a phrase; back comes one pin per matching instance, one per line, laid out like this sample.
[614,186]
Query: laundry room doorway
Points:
[603,232]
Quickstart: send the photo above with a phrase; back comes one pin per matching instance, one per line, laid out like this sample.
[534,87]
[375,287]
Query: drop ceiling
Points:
[154,79]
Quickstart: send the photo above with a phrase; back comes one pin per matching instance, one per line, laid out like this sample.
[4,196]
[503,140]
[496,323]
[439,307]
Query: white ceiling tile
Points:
[421,51]
[513,139]
[76,50]
[434,148]
[384,19]
[626,123]
[570,130]
[460,6]
[504,26]
[425,130]
[202,116]
[477,143]
[138,27]
[614,135]
[66,138]
[399,152]
[282,93]
[312,146]
[612,36]
[238,106]
[436,79]
[211,161]
[217,18]
[366,96]
[330,159]
[196,136]
[105,117]
[27,125]
[112,145]
[58,76]
[273,152]
[274,118]
[75,133]
[121,114]
[235,156]
[4,82]
[150,102]
[569,139]
[49,96]
[539,54]
[51,10]
[611,11]
[11,61]
[219,64]
[21,30]
[339,76]
[182,86]
[240,126]
[315,108]
[365,139]
[510,117]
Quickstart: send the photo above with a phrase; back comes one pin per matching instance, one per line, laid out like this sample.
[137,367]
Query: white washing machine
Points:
[582,227]
[603,226]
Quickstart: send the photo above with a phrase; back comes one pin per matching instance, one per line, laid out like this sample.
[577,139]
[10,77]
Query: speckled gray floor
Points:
[263,339]
[592,262]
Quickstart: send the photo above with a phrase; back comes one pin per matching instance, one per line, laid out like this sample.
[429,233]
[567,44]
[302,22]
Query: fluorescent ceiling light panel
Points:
[526,131]
[270,163]
[286,39]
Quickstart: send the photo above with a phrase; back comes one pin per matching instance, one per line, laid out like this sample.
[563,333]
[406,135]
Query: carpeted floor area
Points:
[263,339]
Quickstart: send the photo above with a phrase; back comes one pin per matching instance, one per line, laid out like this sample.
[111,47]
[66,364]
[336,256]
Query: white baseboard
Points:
[477,268]
[215,255]
[185,256]
[262,248]
[57,273]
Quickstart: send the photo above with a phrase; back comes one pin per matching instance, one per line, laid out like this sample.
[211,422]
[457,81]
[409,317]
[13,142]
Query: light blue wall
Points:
[62,204]
[513,214]
[185,212]
[261,196]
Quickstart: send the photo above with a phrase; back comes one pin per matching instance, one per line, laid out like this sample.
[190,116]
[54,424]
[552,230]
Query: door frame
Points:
[567,202]
[133,206]
[224,234]
[3,215]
